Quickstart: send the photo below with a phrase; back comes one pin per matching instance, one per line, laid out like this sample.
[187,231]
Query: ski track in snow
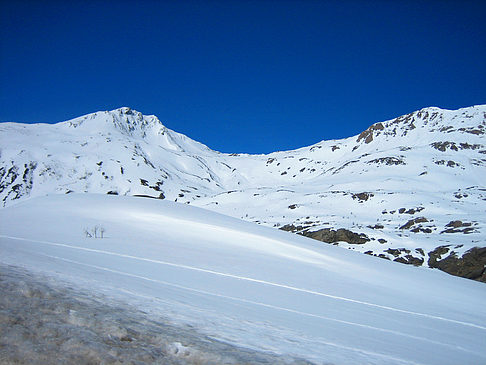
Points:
[375,354]
[263,305]
[264,282]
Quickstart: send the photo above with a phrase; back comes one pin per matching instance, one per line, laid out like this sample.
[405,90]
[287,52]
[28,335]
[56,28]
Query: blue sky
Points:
[242,76]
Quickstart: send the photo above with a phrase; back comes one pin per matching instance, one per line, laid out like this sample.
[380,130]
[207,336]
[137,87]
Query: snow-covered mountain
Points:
[410,189]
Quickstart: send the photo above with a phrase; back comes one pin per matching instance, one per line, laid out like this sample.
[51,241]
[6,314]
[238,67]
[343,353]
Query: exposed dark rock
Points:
[420,251]
[394,251]
[341,235]
[388,161]
[112,192]
[161,196]
[414,210]
[465,230]
[459,227]
[292,228]
[328,235]
[377,226]
[293,206]
[381,256]
[467,146]
[381,240]
[367,135]
[343,166]
[420,229]
[409,211]
[414,221]
[457,224]
[362,196]
[472,131]
[436,254]
[443,146]
[410,260]
[476,162]
[405,259]
[448,163]
[472,265]
[16,183]
[7,177]
[447,129]
[28,177]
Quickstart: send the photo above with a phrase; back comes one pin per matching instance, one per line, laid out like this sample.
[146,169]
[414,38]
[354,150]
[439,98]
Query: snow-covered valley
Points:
[270,294]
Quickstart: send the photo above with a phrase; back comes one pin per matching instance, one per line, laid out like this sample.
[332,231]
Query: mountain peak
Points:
[136,124]
[125,120]
[125,110]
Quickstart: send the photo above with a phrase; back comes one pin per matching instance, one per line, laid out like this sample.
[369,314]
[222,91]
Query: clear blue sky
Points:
[242,76]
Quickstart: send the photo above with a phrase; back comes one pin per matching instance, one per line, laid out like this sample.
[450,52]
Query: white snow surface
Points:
[248,285]
[44,320]
[431,163]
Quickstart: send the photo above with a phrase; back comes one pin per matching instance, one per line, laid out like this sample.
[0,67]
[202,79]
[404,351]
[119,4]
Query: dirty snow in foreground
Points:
[44,321]
[240,283]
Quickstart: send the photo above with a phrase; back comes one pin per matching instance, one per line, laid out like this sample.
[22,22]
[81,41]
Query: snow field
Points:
[248,285]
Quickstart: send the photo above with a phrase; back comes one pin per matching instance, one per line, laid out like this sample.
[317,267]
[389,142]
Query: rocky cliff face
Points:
[410,185]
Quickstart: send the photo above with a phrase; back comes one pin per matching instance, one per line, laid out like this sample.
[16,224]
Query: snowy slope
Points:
[249,285]
[411,184]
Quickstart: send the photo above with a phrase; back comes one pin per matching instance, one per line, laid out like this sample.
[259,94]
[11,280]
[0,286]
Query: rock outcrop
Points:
[330,235]
[472,265]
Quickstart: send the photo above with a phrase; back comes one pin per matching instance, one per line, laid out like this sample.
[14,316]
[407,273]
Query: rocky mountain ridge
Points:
[410,189]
